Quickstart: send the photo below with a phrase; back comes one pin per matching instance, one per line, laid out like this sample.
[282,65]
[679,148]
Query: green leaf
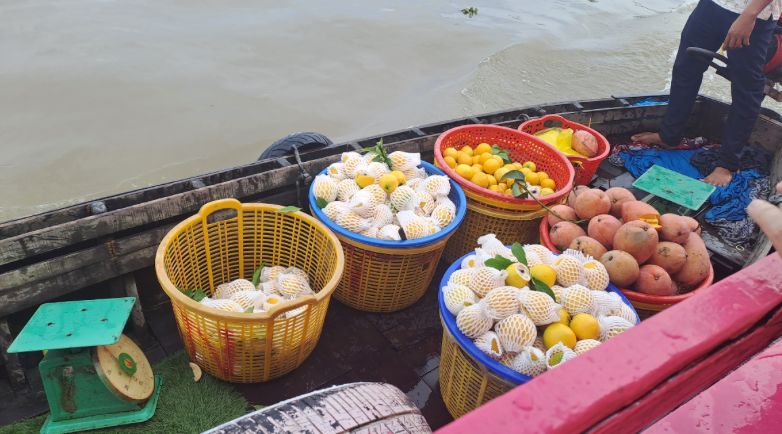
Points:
[519,253]
[542,287]
[516,175]
[188,292]
[198,295]
[495,149]
[289,209]
[498,262]
[321,203]
[259,407]
[257,276]
[516,190]
[249,310]
[505,158]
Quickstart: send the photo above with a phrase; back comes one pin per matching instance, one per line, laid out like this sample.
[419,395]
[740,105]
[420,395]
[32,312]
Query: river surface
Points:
[103,96]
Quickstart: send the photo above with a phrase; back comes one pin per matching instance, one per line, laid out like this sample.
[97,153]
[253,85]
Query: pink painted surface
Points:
[589,388]
[748,401]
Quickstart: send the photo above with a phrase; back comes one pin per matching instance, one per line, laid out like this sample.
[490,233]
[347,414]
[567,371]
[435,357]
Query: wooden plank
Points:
[598,384]
[13,367]
[136,314]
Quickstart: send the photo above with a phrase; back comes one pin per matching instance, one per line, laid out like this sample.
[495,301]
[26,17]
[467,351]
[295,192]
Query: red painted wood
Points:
[748,401]
[584,391]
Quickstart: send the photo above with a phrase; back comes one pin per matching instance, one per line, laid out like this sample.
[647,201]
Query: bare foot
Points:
[769,218]
[720,177]
[650,139]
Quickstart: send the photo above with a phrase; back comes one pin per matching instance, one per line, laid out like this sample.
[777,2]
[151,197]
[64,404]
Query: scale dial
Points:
[124,370]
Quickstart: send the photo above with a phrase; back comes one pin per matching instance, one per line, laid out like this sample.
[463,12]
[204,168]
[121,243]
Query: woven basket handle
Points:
[559,118]
[217,205]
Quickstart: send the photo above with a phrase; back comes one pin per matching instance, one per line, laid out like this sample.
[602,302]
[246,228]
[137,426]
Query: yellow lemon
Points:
[467,150]
[546,191]
[491,166]
[564,318]
[525,171]
[389,183]
[510,167]
[532,178]
[544,273]
[450,161]
[400,176]
[476,159]
[477,167]
[499,173]
[546,182]
[363,180]
[509,192]
[464,159]
[492,180]
[502,187]
[518,275]
[450,152]
[529,165]
[484,157]
[543,175]
[464,171]
[498,159]
[480,179]
[556,333]
[494,188]
[483,148]
[518,166]
[585,326]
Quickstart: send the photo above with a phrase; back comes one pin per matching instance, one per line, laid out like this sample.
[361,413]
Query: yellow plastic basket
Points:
[228,240]
[509,225]
[464,383]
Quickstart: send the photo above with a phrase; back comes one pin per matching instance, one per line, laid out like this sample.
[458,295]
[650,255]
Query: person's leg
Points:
[706,28]
[746,89]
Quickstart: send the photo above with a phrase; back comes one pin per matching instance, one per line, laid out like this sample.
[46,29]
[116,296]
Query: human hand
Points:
[769,218]
[738,35]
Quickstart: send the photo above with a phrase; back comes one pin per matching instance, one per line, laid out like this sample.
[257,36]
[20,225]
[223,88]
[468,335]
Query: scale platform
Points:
[675,187]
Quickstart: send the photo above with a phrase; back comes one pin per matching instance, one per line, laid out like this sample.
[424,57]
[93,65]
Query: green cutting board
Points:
[675,187]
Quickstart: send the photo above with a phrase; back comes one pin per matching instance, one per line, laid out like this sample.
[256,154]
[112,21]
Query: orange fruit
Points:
[546,182]
[543,175]
[491,166]
[483,148]
[450,161]
[464,159]
[480,179]
[450,152]
[467,150]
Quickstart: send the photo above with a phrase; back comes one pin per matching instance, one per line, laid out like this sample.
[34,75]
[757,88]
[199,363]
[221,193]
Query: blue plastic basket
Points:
[456,196]
[467,344]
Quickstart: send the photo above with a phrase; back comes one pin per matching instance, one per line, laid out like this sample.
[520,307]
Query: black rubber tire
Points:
[771,114]
[301,141]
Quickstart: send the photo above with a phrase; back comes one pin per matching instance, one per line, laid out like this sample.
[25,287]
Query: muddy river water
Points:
[103,96]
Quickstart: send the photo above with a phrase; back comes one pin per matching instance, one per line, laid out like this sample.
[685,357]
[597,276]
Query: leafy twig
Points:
[380,154]
[519,189]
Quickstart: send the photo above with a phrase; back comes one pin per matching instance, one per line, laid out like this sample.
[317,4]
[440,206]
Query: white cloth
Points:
[771,11]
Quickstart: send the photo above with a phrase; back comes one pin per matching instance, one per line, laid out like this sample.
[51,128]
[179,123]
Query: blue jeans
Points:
[706,28]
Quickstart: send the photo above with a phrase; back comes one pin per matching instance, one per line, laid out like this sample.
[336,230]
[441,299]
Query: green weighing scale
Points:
[93,375]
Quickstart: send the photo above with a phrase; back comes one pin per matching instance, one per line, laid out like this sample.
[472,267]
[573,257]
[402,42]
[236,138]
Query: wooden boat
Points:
[106,247]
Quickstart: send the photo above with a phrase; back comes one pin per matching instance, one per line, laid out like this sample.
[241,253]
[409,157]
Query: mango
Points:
[591,203]
[563,210]
[618,196]
[588,246]
[638,239]
[621,266]
[697,266]
[563,233]
[633,210]
[653,280]
[674,228]
[695,227]
[669,256]
[603,228]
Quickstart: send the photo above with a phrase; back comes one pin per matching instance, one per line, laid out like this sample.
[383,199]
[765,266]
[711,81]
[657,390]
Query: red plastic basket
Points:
[646,305]
[588,165]
[521,147]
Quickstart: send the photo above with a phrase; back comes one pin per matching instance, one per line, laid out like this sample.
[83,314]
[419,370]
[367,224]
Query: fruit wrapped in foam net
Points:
[389,233]
[557,290]
[369,157]
[378,192]
[484,279]
[569,270]
[537,255]
[383,216]
[461,277]
[596,275]
[611,326]
[424,203]
[363,204]
[515,332]
[248,299]
[292,286]
[369,233]
[493,247]
[352,165]
[507,358]
[222,304]
[377,170]
[346,155]
[271,302]
[298,271]
[414,226]
[540,307]
[402,161]
[325,187]
[605,304]
[437,186]
[226,290]
[346,189]
[489,343]
[269,288]
[628,314]
[553,359]
[577,299]
[403,198]
[501,302]
[539,344]
[473,322]
[337,172]
[335,208]
[269,274]
[457,297]
[530,362]
[585,345]
[444,212]
[352,222]
[414,183]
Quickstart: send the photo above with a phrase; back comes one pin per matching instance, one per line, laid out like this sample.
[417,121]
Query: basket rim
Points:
[668,300]
[499,197]
[461,211]
[598,136]
[259,317]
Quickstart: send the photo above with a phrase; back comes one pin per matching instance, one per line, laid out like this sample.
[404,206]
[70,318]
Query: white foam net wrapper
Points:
[402,161]
[596,275]
[413,225]
[337,172]
[611,326]
[411,175]
[567,354]
[226,290]
[346,189]
[389,233]
[577,299]
[352,222]
[628,313]
[437,186]
[484,279]
[457,297]
[461,277]
[298,271]
[292,286]
[378,192]
[335,208]
[222,304]
[413,183]
[540,307]
[473,322]
[352,165]
[363,204]
[516,332]
[569,271]
[424,202]
[346,155]
[489,343]
[369,233]
[247,299]
[501,302]
[403,198]
[269,288]
[537,255]
[605,304]
[369,157]
[383,216]
[493,247]
[539,344]
[507,358]
[530,362]
[326,187]
[377,170]
[557,290]
[585,345]
[271,302]
[444,212]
